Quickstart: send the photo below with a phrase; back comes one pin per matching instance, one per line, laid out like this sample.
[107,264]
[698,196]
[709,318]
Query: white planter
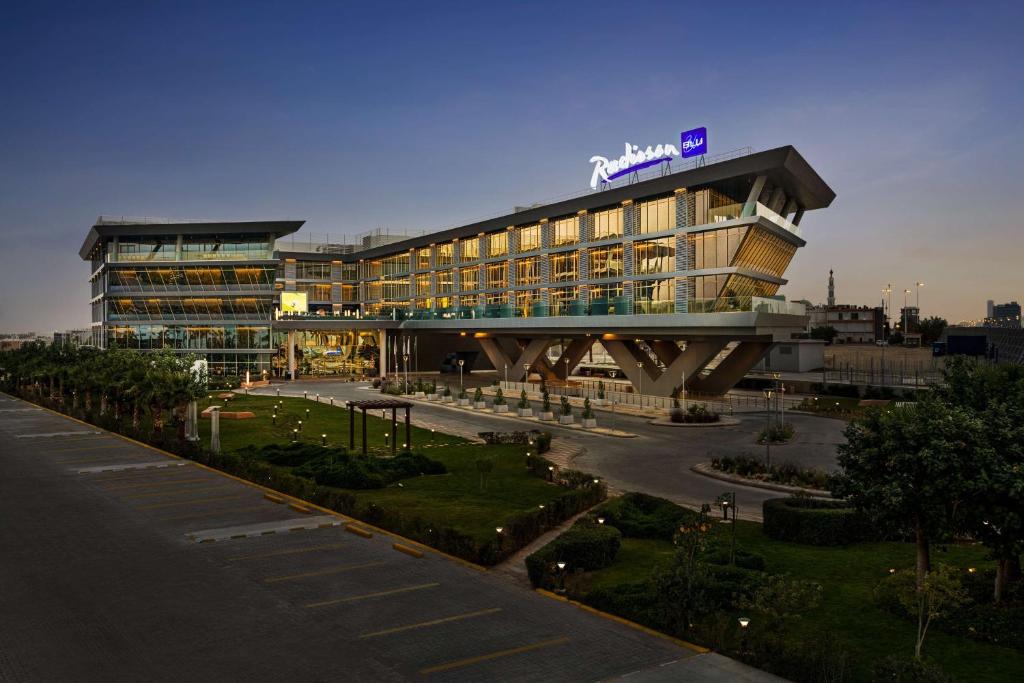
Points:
[447,399]
[589,423]
[503,408]
[463,401]
[565,419]
[546,417]
[432,397]
[526,412]
[599,401]
[419,394]
[479,405]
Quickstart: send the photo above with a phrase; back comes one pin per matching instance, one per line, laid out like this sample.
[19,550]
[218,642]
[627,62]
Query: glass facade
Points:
[608,224]
[656,215]
[654,256]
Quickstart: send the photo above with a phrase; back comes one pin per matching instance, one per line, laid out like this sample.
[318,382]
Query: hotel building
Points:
[666,273]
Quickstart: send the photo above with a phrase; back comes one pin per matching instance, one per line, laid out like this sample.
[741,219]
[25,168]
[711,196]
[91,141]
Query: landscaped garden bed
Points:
[785,473]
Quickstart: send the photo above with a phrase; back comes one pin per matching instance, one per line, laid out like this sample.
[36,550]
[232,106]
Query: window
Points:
[525,300]
[393,265]
[470,249]
[565,266]
[565,231]
[423,259]
[656,215]
[528,271]
[608,291]
[608,224]
[654,296]
[606,262]
[497,244]
[311,270]
[423,284]
[654,256]
[469,278]
[529,238]
[445,282]
[497,276]
[561,298]
[445,254]
[715,248]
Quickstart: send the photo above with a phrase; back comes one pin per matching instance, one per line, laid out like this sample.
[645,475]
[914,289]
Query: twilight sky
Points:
[420,115]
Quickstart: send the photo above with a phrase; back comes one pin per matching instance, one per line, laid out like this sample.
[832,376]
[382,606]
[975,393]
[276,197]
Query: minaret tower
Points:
[831,289]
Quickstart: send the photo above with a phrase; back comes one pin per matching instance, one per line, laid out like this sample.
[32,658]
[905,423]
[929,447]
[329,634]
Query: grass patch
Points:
[848,576]
[454,499]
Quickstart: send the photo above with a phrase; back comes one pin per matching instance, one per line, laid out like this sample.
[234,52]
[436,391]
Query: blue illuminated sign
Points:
[694,142]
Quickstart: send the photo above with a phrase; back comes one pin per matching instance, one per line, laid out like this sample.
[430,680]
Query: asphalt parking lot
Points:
[122,563]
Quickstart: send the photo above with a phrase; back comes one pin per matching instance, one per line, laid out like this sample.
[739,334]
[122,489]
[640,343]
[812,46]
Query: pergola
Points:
[379,404]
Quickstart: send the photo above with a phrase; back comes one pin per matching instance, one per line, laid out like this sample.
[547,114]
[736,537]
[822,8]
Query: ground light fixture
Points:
[300,426]
[744,622]
[561,566]
[499,529]
[600,520]
[323,439]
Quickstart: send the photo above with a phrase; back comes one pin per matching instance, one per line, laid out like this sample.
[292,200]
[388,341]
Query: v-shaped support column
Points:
[516,368]
[678,363]
[733,367]
[571,356]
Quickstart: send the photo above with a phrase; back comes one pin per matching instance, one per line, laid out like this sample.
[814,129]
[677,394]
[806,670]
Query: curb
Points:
[723,421]
[625,622]
[706,470]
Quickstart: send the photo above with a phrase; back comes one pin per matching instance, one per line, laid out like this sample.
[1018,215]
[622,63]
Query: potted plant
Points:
[566,417]
[432,391]
[545,411]
[463,398]
[478,399]
[447,396]
[676,415]
[587,418]
[499,404]
[600,400]
[524,405]
[420,393]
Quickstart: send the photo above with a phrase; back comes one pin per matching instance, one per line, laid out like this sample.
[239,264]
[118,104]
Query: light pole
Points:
[526,374]
[776,375]
[917,303]
[767,428]
[640,383]
[462,386]
[405,359]
[684,391]
[506,375]
[905,293]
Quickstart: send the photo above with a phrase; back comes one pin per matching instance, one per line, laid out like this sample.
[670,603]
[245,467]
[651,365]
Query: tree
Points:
[931,329]
[930,599]
[913,468]
[995,393]
[826,332]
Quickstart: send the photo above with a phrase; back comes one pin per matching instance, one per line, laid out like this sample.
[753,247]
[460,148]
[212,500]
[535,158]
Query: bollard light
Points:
[600,520]
[323,439]
[744,621]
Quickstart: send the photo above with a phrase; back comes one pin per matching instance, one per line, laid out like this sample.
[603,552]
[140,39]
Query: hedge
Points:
[585,546]
[813,521]
[638,515]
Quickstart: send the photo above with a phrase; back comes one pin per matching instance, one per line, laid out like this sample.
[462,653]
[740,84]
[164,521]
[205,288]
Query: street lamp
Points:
[918,285]
[744,622]
[767,428]
[506,375]
[640,383]
[684,391]
[905,293]
[405,360]
[462,386]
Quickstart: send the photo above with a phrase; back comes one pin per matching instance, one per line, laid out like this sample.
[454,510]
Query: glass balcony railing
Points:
[596,307]
[733,211]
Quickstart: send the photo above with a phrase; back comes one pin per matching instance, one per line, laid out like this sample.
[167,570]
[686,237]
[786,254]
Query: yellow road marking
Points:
[367,596]
[154,484]
[434,622]
[179,503]
[323,572]
[213,513]
[448,666]
[293,551]
[174,492]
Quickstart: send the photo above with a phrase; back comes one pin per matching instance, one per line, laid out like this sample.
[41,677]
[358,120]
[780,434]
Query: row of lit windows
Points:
[174,307]
[147,337]
[253,276]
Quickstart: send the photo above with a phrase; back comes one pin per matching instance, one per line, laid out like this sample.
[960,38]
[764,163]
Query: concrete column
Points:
[382,344]
[733,367]
[678,363]
[291,354]
[192,422]
[531,353]
[574,352]
[750,206]
[215,429]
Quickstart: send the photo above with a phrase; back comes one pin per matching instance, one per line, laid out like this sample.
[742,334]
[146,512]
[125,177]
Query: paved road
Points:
[103,579]
[659,459]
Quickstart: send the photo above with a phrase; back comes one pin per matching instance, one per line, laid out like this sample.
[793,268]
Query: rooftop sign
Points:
[693,142]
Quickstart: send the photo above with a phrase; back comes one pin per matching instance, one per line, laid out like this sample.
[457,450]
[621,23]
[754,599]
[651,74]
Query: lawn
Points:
[848,576]
[455,499]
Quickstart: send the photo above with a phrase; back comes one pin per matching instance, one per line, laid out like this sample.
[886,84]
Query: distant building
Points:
[910,317]
[853,324]
[798,355]
[1004,315]
[990,308]
[831,289]
[1001,345]
[82,337]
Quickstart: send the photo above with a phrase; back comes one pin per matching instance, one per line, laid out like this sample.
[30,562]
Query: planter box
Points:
[419,394]
[547,417]
[589,423]
[432,397]
[526,412]
[565,419]
[479,405]
[599,401]
[447,399]
[503,408]
[463,401]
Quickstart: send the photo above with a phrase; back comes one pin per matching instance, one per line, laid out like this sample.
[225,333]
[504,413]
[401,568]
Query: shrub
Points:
[447,390]
[546,400]
[335,467]
[777,433]
[814,521]
[585,546]
[785,472]
[908,670]
[478,395]
[566,408]
[499,398]
[638,515]
[588,412]
[699,413]
[676,415]
[600,391]
[721,555]
[524,402]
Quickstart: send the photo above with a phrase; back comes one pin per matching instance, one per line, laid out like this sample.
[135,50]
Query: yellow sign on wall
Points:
[294,302]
